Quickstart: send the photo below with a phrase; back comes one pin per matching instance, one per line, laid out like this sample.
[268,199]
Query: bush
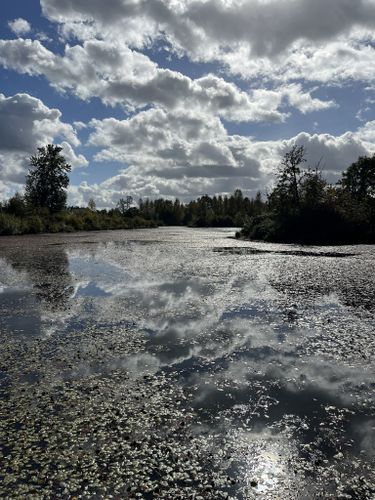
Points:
[33,225]
[9,224]
[262,227]
[76,222]
[91,222]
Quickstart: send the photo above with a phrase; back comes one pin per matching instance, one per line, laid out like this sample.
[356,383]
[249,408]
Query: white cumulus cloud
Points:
[20,26]
[25,124]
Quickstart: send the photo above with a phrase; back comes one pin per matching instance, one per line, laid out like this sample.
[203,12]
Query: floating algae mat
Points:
[150,364]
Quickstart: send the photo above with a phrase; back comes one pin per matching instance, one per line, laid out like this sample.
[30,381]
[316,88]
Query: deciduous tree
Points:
[48,179]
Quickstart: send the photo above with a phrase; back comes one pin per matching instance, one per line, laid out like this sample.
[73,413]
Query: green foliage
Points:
[206,211]
[261,227]
[33,224]
[16,205]
[304,208]
[43,207]
[9,224]
[217,211]
[124,204]
[47,180]
[312,189]
[359,179]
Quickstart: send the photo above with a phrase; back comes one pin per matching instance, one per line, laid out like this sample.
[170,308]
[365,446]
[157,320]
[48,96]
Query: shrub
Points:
[76,222]
[9,224]
[261,227]
[33,225]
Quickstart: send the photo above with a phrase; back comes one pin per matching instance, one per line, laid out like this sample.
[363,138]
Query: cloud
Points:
[343,60]
[19,26]
[268,27]
[303,100]
[173,140]
[186,155]
[76,161]
[25,124]
[156,139]
[367,134]
[119,75]
[318,40]
[334,153]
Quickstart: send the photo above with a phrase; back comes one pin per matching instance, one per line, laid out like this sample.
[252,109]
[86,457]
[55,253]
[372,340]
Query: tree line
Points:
[43,205]
[302,206]
[206,211]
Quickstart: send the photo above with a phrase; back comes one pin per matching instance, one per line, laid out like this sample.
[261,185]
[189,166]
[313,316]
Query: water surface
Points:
[158,363]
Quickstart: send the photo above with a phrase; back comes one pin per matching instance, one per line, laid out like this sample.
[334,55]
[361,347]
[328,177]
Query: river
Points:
[182,363]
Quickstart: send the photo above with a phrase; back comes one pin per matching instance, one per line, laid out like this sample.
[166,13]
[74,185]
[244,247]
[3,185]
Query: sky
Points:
[180,98]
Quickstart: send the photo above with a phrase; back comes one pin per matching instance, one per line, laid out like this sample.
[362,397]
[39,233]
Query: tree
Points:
[286,193]
[91,205]
[47,180]
[313,188]
[258,205]
[16,205]
[124,204]
[359,178]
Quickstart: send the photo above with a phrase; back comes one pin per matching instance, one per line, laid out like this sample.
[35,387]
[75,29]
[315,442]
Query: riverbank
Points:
[310,227]
[70,222]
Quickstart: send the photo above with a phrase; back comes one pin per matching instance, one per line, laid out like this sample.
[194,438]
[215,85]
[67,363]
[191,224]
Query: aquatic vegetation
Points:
[179,363]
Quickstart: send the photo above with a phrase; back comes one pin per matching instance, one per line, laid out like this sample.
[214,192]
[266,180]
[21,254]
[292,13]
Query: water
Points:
[180,361]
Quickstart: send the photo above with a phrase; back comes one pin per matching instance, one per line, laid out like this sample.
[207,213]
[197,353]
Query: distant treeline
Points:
[18,217]
[304,208]
[43,208]
[216,211]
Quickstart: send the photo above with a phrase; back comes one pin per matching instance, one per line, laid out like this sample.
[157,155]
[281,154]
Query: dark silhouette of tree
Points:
[313,188]
[47,180]
[16,205]
[205,211]
[359,178]
[124,204]
[286,193]
[257,204]
[304,208]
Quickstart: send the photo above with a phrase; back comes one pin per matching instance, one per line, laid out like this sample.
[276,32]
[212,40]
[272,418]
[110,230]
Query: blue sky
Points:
[180,98]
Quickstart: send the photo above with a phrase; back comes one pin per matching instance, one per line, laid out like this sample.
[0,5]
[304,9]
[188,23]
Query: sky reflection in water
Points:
[268,345]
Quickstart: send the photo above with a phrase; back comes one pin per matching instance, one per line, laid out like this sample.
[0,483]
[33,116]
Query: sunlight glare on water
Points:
[251,363]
